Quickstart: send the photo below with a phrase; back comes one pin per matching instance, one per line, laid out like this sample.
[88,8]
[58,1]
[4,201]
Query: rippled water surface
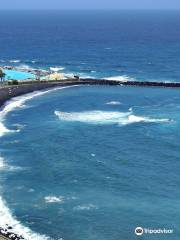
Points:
[91,162]
[124,45]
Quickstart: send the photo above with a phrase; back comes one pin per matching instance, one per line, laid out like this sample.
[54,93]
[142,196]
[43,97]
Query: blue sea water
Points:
[93,162]
[89,162]
[142,45]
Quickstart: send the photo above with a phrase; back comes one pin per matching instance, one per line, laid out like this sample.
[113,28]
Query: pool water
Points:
[17,75]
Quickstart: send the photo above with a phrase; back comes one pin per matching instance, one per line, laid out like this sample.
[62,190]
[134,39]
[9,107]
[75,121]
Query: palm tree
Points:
[2,74]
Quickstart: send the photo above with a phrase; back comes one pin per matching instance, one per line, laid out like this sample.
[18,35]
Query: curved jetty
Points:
[19,88]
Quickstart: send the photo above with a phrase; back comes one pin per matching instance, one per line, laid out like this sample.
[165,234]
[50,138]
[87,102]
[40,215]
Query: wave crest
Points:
[113,103]
[106,117]
[56,69]
[54,199]
[121,78]
[1,163]
[15,61]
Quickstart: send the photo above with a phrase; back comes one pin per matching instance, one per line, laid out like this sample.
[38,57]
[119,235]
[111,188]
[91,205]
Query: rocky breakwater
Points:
[9,91]
[8,234]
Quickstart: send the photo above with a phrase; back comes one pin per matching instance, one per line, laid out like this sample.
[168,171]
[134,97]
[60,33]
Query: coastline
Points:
[9,91]
[6,234]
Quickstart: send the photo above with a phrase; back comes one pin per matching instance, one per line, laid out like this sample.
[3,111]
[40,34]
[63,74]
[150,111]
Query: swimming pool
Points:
[17,75]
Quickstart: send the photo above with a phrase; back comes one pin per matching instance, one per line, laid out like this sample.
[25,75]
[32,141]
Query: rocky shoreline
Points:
[7,234]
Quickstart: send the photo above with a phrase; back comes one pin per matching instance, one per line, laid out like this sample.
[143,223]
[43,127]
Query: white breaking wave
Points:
[57,69]
[1,163]
[6,218]
[4,166]
[105,117]
[15,61]
[136,119]
[114,103]
[122,78]
[58,199]
[93,154]
[24,67]
[10,61]
[3,129]
[18,61]
[54,199]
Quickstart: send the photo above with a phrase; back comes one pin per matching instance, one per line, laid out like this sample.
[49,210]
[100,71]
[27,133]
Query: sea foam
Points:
[4,166]
[15,61]
[54,199]
[106,117]
[122,78]
[1,163]
[6,219]
[113,103]
[56,69]
[24,67]
[3,129]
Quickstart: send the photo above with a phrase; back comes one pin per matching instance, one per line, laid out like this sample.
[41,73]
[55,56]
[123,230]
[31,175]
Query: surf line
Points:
[10,227]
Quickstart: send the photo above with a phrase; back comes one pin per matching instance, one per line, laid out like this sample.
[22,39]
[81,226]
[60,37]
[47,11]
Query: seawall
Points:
[9,91]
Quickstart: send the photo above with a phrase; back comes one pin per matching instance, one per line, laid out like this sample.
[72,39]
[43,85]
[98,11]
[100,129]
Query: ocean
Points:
[92,162]
[141,45]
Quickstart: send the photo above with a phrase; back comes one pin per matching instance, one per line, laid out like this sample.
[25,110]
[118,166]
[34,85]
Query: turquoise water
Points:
[17,75]
[93,162]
